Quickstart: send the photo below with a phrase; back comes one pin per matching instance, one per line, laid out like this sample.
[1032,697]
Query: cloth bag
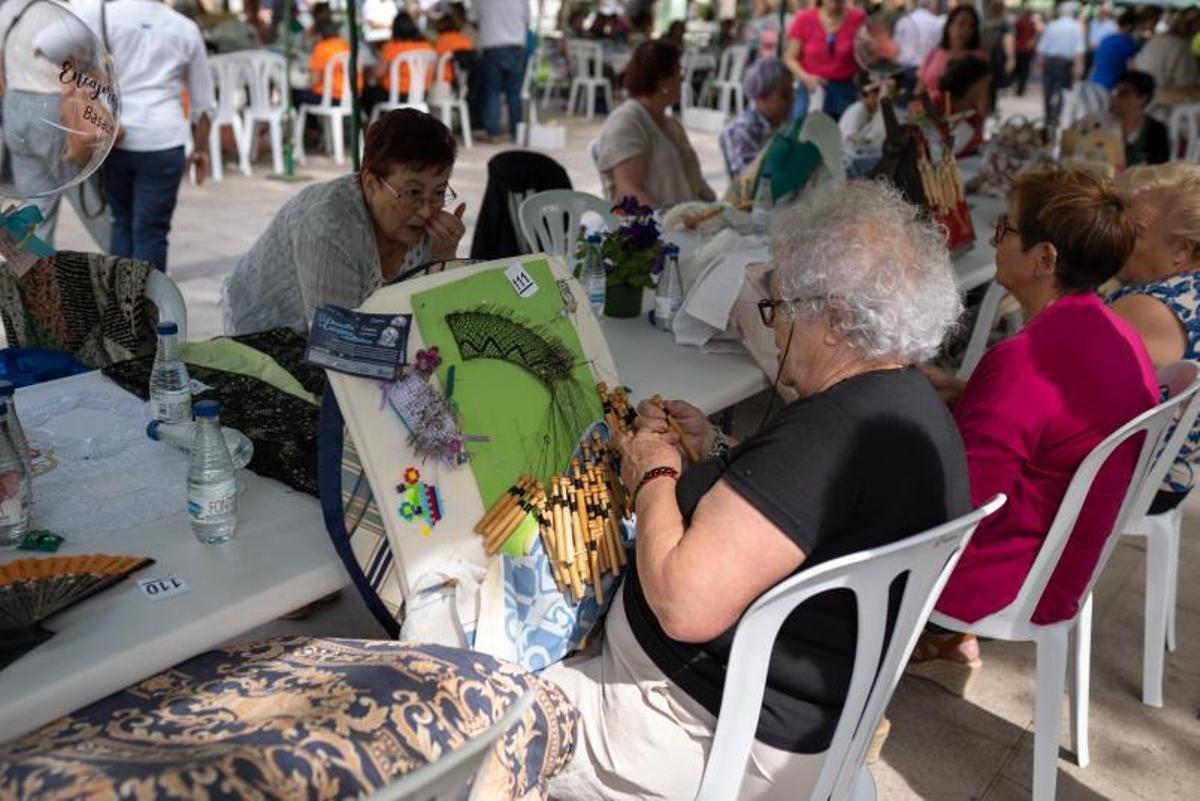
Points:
[789,162]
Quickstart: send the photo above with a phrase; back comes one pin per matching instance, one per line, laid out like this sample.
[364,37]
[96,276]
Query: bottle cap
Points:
[594,239]
[152,429]
[7,388]
[167,328]
[208,408]
[671,249]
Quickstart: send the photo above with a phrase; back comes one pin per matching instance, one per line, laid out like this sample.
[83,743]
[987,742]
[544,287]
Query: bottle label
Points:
[172,407]
[212,502]
[13,508]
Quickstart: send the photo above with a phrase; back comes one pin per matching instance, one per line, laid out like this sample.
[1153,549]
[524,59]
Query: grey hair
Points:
[876,258]
[763,76]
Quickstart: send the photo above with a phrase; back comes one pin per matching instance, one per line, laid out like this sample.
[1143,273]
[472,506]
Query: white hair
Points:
[876,257]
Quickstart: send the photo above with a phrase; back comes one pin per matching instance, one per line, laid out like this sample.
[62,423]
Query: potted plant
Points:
[633,255]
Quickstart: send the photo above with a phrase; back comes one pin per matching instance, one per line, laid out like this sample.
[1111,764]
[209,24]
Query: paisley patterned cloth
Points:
[1181,294]
[296,718]
[90,305]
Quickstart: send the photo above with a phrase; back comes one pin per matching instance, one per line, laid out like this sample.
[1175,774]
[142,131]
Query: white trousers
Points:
[642,737]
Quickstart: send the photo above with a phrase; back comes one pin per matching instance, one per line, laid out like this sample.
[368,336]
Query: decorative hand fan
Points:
[32,590]
[874,49]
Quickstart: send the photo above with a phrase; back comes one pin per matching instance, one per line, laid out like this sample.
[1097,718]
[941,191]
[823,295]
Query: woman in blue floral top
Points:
[1161,296]
[768,87]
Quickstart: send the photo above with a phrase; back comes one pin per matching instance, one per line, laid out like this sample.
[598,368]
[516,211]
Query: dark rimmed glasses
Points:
[766,308]
[1003,229]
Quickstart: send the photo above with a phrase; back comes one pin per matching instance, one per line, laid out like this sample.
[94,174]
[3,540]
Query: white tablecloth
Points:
[280,559]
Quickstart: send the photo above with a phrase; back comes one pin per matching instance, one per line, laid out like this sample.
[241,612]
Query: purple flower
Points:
[428,361]
[629,207]
[660,261]
[640,235]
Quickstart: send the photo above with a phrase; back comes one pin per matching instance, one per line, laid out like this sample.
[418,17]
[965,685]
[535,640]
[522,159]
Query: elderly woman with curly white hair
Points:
[861,291]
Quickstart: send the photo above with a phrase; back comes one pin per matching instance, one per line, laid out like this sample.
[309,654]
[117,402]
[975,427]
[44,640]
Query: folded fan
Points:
[32,590]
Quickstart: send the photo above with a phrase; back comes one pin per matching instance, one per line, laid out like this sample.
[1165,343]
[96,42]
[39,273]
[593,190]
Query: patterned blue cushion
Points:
[295,718]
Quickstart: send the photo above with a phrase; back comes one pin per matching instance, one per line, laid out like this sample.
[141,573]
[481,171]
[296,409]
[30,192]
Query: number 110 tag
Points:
[162,587]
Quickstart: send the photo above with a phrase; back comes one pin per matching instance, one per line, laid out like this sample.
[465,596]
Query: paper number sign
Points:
[521,281]
[163,587]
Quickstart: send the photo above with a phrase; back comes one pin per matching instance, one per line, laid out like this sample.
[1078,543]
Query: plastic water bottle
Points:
[14,487]
[592,275]
[8,394]
[241,449]
[668,295]
[212,487]
[763,201]
[170,387]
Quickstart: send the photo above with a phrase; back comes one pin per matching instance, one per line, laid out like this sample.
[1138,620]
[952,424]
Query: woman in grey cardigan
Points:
[339,241]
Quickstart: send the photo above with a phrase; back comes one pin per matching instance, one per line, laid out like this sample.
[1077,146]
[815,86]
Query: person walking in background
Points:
[502,28]
[917,34]
[1099,27]
[1026,30]
[997,41]
[820,53]
[1061,47]
[1168,58]
[1115,53]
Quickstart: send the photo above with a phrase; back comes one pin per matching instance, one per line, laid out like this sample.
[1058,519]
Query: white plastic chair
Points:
[587,75]
[727,85]
[231,76]
[268,106]
[1054,641]
[1082,100]
[693,61]
[1162,532]
[551,220]
[927,559]
[447,97]
[1184,123]
[333,112]
[419,65]
[822,131]
[165,295]
[985,321]
[448,777]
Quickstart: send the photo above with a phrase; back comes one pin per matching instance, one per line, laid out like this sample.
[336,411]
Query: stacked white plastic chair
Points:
[727,85]
[587,76]
[268,105]
[231,77]
[926,560]
[448,97]
[1085,99]
[1057,641]
[1184,125]
[333,112]
[551,221]
[419,65]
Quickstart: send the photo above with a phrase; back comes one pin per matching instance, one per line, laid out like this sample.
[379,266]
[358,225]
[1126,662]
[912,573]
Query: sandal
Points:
[939,663]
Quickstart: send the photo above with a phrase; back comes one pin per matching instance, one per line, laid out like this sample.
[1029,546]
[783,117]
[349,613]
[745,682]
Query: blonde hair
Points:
[1175,190]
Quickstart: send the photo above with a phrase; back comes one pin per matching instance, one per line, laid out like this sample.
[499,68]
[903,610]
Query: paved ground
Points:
[940,747]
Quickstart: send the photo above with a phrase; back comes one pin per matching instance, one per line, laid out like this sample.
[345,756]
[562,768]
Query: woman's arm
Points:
[629,179]
[1160,330]
[791,58]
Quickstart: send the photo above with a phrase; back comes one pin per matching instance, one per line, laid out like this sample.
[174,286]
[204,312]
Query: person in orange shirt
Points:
[406,37]
[451,39]
[329,44]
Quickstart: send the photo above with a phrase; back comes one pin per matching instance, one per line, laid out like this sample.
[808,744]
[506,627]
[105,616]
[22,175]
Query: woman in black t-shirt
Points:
[862,289]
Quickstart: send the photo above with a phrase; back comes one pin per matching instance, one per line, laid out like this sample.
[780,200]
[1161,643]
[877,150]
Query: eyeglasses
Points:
[1003,229]
[766,308]
[416,197]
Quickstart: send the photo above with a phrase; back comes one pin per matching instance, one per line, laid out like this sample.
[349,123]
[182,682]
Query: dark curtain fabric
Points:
[282,427]
[88,305]
[515,171]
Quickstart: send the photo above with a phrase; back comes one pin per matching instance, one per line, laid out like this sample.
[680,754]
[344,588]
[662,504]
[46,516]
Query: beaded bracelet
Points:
[650,475]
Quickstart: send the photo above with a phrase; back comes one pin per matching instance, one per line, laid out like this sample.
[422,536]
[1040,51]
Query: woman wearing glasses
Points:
[337,242]
[861,291]
[1039,402]
[820,53]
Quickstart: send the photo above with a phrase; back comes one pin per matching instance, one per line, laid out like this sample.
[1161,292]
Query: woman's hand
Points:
[642,451]
[813,82]
[948,387]
[691,421]
[445,231]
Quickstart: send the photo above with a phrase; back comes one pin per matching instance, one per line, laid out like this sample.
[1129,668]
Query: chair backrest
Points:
[445,779]
[587,58]
[1155,456]
[341,60]
[1083,100]
[230,73]
[444,89]
[822,130]
[1174,380]
[926,560]
[551,221]
[418,64]
[1184,123]
[732,68]
[985,321]
[163,293]
[269,70]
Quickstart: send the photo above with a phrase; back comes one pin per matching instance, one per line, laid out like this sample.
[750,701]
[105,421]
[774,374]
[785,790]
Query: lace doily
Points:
[98,472]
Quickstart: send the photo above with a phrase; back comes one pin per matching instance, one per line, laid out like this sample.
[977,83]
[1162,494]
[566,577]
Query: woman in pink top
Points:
[820,53]
[960,39]
[1039,402]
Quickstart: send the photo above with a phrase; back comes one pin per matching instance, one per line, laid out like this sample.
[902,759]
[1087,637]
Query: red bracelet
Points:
[650,475]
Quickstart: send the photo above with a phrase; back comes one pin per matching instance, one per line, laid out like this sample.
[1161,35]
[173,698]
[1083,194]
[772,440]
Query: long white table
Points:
[280,559]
